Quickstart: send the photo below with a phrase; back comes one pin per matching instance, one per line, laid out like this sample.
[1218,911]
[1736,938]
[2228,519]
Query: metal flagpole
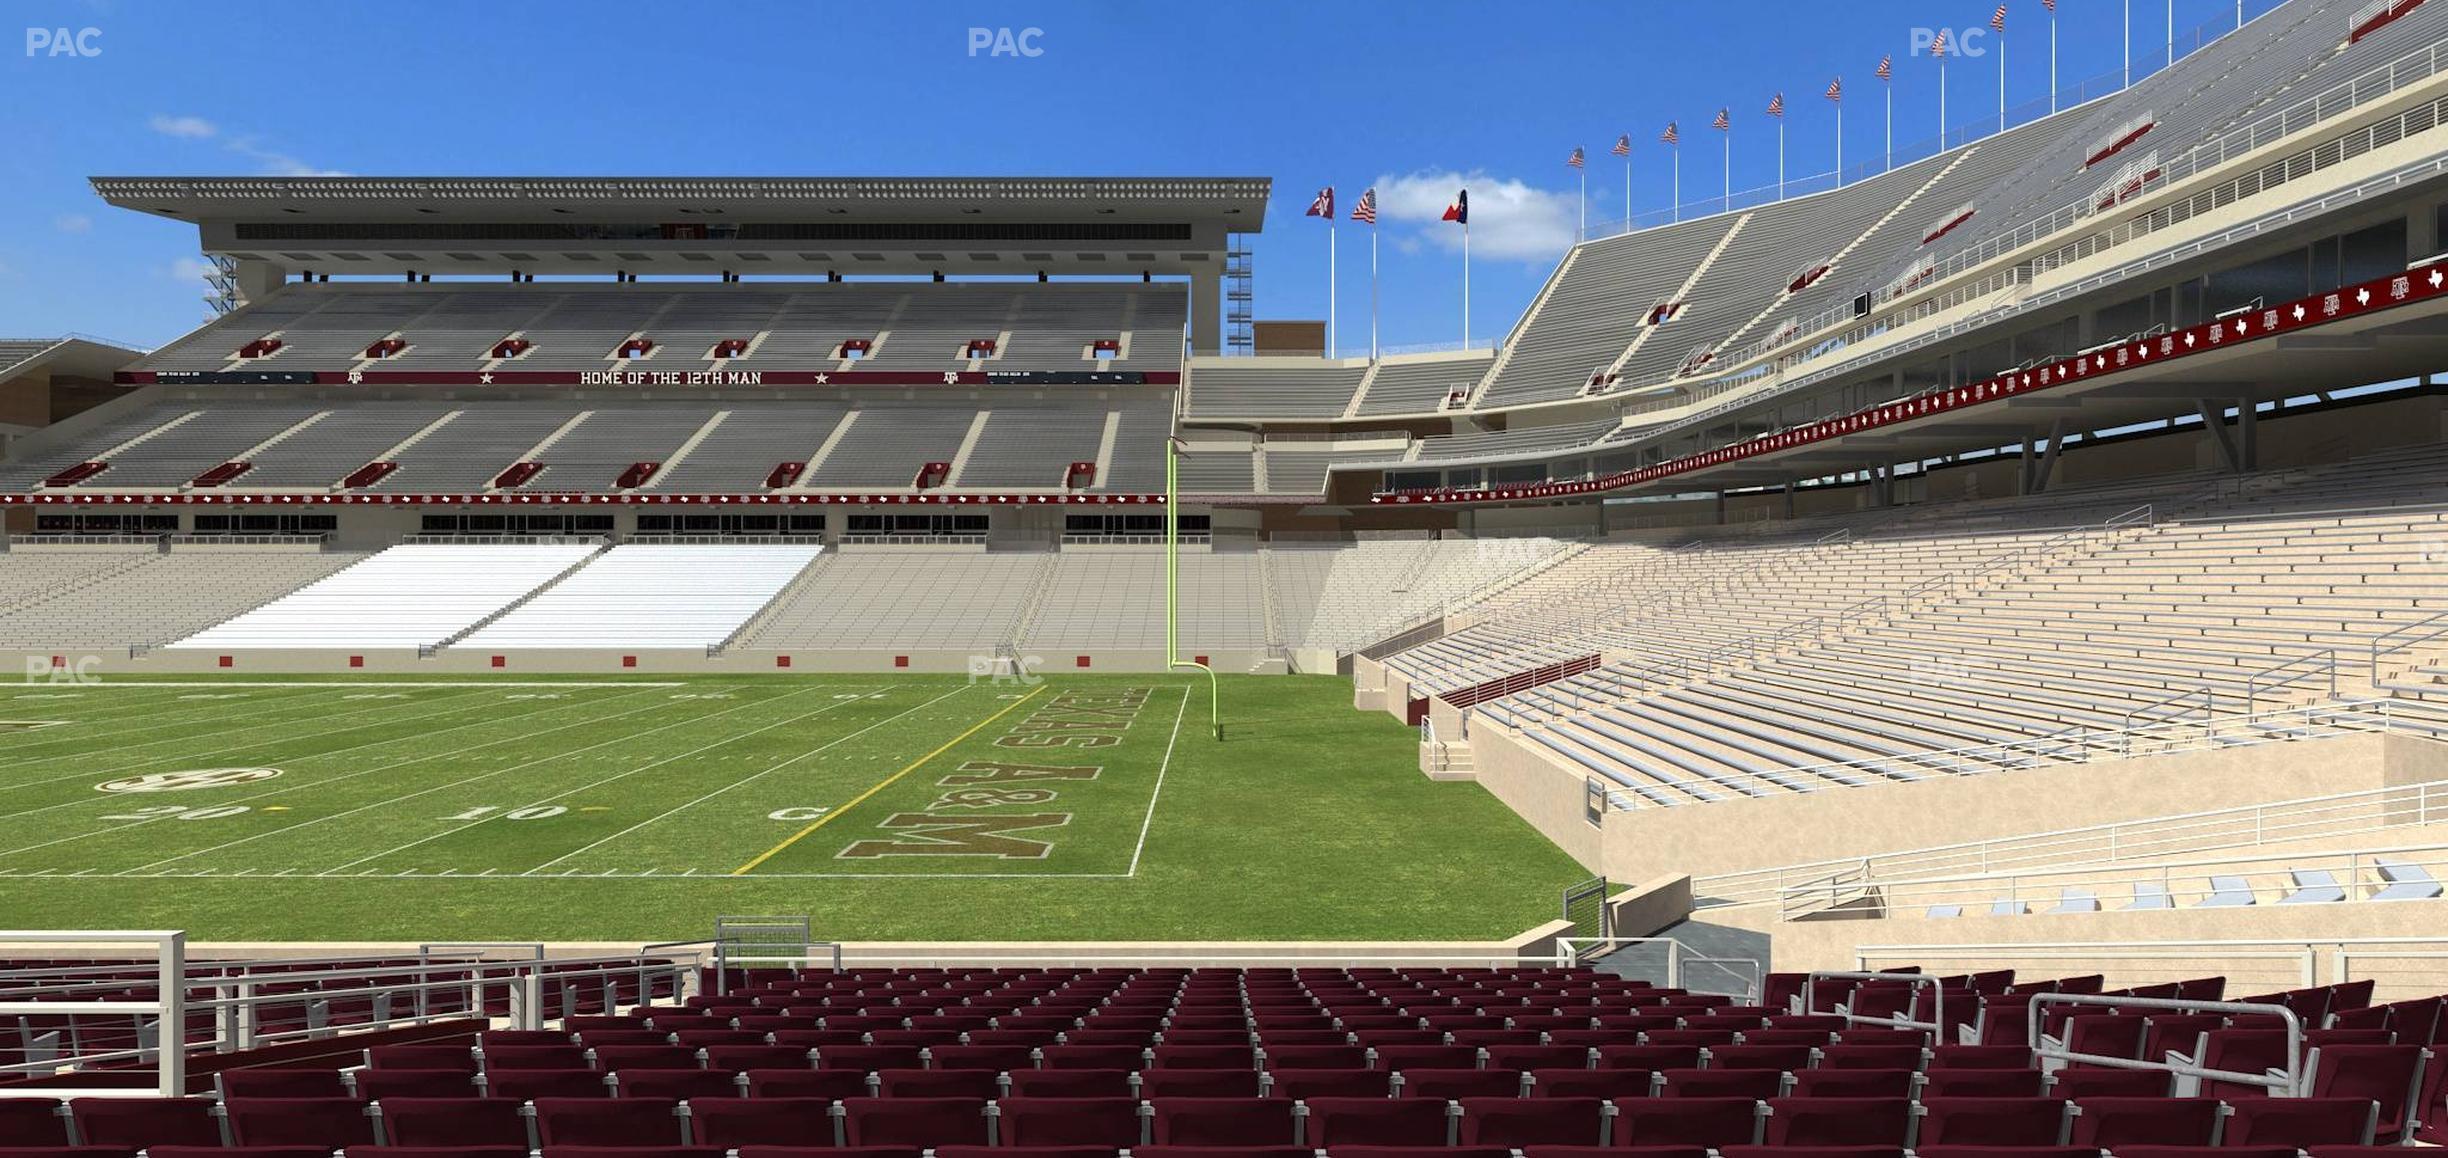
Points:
[1372,291]
[2001,82]
[1583,175]
[1466,285]
[1780,158]
[1678,183]
[1331,348]
[2128,82]
[1729,169]
[1840,144]
[1942,140]
[1889,162]
[2171,22]
[1627,191]
[1172,533]
[2052,59]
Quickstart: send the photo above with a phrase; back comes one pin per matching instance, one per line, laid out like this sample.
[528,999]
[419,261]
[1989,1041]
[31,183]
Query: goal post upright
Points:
[1172,533]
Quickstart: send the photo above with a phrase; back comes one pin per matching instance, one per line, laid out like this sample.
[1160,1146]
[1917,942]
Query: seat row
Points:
[331,1123]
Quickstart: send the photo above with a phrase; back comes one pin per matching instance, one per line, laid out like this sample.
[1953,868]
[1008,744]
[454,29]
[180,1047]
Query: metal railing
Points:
[227,1006]
[2359,873]
[1903,1019]
[2244,826]
[2287,1082]
[1677,970]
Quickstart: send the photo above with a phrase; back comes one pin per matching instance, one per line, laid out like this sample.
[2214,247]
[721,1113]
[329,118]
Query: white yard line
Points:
[185,756]
[1161,769]
[275,711]
[827,745]
[652,764]
[212,758]
[420,738]
[524,738]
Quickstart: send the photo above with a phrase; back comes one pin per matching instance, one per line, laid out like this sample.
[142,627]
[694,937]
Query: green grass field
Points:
[886,808]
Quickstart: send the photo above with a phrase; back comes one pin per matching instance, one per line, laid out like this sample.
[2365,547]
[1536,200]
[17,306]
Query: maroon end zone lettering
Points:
[927,834]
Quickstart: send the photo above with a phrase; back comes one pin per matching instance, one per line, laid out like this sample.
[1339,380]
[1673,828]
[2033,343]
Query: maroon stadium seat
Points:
[1513,1121]
[1714,1122]
[1838,1121]
[1377,1121]
[2002,1121]
[144,1122]
[1221,1122]
[1067,1122]
[452,1122]
[761,1121]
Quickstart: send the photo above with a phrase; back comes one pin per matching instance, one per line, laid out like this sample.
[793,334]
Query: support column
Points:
[1206,313]
[1789,498]
[2248,435]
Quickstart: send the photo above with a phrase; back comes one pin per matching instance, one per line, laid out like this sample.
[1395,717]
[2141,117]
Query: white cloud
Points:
[1510,219]
[269,162]
[277,164]
[190,269]
[72,223]
[191,128]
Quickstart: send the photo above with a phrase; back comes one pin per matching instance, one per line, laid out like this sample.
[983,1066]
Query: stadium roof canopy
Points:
[749,225]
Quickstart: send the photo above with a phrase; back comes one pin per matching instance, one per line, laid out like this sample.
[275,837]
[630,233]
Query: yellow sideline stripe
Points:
[885,783]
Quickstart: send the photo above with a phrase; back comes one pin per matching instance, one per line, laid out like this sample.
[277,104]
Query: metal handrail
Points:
[2425,627]
[1898,894]
[1902,1020]
[2124,838]
[2287,1083]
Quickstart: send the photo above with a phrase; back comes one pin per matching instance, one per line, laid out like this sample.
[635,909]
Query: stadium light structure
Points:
[1172,533]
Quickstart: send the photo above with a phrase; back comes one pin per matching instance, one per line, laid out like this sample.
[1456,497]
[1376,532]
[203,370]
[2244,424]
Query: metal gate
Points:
[1585,906]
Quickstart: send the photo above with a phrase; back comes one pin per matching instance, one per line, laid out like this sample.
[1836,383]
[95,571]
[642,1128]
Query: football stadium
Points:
[1941,655]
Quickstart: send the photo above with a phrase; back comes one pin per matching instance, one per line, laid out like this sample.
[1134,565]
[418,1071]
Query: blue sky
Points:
[1419,97]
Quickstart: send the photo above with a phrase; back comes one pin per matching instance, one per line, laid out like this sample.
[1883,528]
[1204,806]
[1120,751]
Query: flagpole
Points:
[1583,176]
[1466,285]
[2171,21]
[1780,158]
[2128,82]
[2052,60]
[1840,144]
[1729,170]
[1889,161]
[1331,348]
[1372,291]
[1678,183]
[2001,82]
[1942,137]
[1627,191]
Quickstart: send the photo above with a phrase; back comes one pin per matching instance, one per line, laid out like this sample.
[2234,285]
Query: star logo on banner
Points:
[486,377]
[823,379]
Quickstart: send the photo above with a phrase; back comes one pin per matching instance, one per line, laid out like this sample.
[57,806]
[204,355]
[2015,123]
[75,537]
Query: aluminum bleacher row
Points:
[908,326]
[1367,1062]
[668,447]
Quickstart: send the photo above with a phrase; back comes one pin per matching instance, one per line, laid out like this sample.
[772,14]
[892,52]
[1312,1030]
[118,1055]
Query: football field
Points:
[908,807]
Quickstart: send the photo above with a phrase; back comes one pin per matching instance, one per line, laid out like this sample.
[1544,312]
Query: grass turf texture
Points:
[887,808]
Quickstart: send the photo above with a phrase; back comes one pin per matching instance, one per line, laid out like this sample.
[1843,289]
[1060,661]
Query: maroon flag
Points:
[1323,205]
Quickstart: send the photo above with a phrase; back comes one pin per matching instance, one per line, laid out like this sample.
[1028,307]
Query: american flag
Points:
[1997,20]
[1365,211]
[2051,5]
[1835,90]
[1938,46]
[1323,205]
[1623,146]
[1724,121]
[1576,159]
[1886,68]
[1672,135]
[1776,105]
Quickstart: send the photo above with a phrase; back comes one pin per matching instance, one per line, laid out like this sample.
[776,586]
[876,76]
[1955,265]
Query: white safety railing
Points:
[1901,1019]
[2263,964]
[2329,877]
[2244,826]
[230,1006]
